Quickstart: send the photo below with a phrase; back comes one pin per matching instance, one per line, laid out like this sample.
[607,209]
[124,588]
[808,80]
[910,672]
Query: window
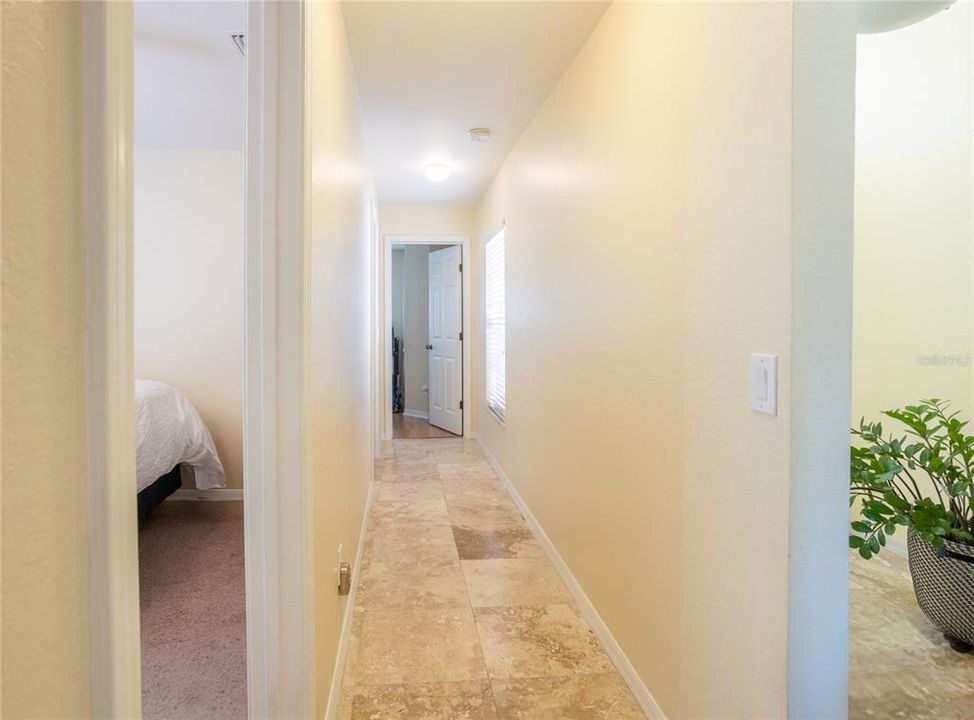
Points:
[495,327]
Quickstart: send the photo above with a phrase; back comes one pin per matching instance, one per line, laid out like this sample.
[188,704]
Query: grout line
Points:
[476,623]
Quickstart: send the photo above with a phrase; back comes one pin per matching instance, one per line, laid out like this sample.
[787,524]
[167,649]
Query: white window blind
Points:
[495,329]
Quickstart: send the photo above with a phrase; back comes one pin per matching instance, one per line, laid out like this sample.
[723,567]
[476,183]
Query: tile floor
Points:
[458,613]
[900,666]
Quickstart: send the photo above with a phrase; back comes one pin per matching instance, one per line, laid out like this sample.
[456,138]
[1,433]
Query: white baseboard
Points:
[208,495]
[612,648]
[335,693]
[416,414]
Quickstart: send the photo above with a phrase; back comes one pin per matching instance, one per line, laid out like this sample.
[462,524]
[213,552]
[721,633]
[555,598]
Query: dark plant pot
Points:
[943,581]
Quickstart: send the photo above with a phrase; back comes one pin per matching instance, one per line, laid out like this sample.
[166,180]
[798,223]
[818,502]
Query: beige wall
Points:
[417,220]
[45,666]
[913,234]
[188,287]
[648,253]
[398,256]
[339,322]
[416,363]
[425,220]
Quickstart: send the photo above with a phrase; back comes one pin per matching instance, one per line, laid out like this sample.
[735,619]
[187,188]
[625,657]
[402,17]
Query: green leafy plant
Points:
[887,478]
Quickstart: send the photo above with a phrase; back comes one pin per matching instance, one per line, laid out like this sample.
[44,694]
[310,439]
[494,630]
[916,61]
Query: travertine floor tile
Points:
[499,541]
[414,492]
[411,586]
[499,583]
[577,697]
[488,491]
[420,646]
[432,635]
[424,545]
[465,471]
[461,453]
[398,513]
[471,700]
[548,641]
[486,515]
[405,447]
[900,666]
[409,472]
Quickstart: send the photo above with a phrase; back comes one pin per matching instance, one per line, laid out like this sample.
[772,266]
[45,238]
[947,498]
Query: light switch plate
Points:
[764,383]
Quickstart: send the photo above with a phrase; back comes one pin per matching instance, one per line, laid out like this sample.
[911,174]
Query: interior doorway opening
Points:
[188,305]
[913,211]
[427,311]
[426,302]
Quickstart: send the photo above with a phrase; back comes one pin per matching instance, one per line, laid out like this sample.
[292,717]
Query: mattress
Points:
[169,431]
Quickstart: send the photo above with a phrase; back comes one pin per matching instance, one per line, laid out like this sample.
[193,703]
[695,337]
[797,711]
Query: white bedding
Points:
[168,431]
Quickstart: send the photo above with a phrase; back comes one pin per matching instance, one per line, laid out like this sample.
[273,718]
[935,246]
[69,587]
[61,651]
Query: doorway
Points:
[427,341]
[822,343]
[427,309]
[278,674]
[913,210]
[188,292]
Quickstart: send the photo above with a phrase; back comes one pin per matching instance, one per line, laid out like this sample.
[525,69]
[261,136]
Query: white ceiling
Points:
[427,72]
[190,81]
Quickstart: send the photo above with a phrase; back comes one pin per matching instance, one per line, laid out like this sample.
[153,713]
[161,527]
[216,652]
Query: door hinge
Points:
[461,404]
[461,267]
[461,336]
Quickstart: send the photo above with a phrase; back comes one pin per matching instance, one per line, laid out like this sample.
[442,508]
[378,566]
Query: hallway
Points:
[458,613]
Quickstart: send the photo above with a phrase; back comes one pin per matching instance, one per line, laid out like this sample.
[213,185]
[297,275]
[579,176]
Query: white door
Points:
[446,340]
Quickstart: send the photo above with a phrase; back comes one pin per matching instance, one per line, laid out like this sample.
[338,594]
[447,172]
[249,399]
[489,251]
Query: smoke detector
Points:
[239,41]
[479,134]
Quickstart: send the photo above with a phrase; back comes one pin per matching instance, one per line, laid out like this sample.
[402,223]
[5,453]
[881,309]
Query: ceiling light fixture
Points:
[479,134]
[437,172]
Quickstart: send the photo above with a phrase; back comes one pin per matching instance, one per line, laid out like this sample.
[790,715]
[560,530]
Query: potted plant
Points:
[923,481]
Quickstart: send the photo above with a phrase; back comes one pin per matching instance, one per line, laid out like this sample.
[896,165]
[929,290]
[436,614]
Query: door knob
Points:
[429,347]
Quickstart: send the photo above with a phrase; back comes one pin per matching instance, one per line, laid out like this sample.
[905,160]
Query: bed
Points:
[170,434]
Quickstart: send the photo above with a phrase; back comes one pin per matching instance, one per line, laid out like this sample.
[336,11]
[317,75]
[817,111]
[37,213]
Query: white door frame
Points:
[278,578]
[107,46]
[385,366]
[823,180]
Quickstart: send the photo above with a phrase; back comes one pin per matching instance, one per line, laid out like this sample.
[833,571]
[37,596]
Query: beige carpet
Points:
[191,568]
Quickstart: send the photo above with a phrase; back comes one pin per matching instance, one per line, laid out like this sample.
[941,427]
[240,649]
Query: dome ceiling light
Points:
[437,172]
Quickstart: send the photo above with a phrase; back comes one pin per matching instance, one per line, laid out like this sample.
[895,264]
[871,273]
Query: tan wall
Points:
[913,234]
[189,285]
[648,253]
[416,364]
[45,666]
[398,256]
[425,220]
[339,323]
